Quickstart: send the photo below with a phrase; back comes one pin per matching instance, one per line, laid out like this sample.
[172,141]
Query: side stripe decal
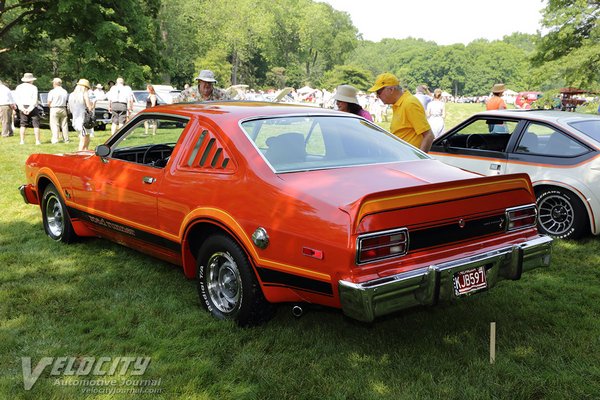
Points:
[127,230]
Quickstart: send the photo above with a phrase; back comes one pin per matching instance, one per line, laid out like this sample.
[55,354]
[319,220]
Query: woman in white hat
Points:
[345,98]
[79,103]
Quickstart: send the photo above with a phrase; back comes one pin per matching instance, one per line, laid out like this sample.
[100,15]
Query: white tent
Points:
[305,90]
[509,96]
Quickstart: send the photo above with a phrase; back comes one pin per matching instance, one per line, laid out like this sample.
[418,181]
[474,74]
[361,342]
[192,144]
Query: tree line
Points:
[273,44]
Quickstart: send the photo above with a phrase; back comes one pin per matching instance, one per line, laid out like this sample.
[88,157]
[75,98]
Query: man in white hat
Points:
[99,93]
[26,97]
[57,102]
[7,105]
[205,91]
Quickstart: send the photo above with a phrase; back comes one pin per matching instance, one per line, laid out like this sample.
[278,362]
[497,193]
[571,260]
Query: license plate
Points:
[469,281]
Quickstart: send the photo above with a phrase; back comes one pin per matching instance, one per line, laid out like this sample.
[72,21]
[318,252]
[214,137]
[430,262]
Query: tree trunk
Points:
[234,69]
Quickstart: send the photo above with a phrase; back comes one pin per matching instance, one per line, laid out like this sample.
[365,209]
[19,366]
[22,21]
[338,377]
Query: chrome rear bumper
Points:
[426,286]
[22,190]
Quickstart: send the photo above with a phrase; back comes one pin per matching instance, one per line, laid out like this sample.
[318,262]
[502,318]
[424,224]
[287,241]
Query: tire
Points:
[561,214]
[57,222]
[227,286]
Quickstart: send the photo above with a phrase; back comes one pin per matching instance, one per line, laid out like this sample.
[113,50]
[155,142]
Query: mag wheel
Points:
[561,214]
[227,286]
[57,223]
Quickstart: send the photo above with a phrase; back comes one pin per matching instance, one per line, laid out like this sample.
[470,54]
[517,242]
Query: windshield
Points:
[301,143]
[590,127]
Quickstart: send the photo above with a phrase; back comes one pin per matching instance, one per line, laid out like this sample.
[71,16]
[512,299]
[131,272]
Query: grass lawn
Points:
[99,299]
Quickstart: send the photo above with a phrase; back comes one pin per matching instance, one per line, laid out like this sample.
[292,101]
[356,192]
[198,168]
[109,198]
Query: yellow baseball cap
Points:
[383,80]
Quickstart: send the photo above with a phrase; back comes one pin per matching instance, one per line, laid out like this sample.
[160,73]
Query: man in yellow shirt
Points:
[409,121]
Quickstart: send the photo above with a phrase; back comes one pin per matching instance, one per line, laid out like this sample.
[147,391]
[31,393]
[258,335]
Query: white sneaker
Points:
[37,142]
[21,142]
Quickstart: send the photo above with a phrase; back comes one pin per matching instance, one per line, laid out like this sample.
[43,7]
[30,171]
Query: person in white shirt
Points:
[424,95]
[120,104]
[436,113]
[26,97]
[7,105]
[79,103]
[59,120]
[99,93]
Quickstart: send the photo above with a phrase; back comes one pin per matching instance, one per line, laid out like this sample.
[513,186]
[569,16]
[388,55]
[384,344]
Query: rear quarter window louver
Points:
[208,154]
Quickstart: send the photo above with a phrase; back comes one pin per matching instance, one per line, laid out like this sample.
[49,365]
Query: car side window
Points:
[150,141]
[546,141]
[483,134]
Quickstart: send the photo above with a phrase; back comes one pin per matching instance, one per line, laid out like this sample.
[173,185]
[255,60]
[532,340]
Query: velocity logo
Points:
[83,366]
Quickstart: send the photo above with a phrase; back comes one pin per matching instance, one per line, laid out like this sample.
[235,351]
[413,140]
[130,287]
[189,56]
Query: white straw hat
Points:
[84,83]
[28,77]
[346,93]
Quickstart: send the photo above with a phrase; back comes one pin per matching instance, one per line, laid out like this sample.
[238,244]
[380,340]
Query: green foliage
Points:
[265,43]
[347,75]
[548,101]
[461,70]
[97,40]
[570,51]
[243,41]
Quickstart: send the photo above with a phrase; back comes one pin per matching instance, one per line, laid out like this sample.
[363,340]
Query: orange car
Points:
[266,203]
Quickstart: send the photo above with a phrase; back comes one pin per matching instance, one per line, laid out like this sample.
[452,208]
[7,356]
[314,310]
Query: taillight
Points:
[521,217]
[381,245]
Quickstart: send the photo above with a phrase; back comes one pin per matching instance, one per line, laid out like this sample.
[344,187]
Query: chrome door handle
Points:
[495,167]
[149,180]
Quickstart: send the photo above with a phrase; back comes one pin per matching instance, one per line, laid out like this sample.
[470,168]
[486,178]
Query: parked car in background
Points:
[166,92]
[102,115]
[524,100]
[139,102]
[560,151]
[264,203]
[141,96]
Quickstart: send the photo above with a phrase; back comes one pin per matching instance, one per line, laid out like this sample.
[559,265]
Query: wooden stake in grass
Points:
[492,342]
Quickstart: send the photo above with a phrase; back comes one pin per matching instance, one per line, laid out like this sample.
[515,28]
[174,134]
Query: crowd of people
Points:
[417,119]
[22,105]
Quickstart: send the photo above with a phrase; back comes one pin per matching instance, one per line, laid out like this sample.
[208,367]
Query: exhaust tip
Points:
[297,311]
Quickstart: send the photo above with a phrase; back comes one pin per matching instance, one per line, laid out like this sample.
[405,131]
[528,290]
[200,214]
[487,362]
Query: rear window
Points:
[590,127]
[319,142]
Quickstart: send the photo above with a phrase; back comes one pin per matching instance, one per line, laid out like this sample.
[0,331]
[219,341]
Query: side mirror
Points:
[446,144]
[103,151]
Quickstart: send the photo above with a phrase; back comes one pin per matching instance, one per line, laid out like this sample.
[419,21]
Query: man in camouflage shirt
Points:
[205,91]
